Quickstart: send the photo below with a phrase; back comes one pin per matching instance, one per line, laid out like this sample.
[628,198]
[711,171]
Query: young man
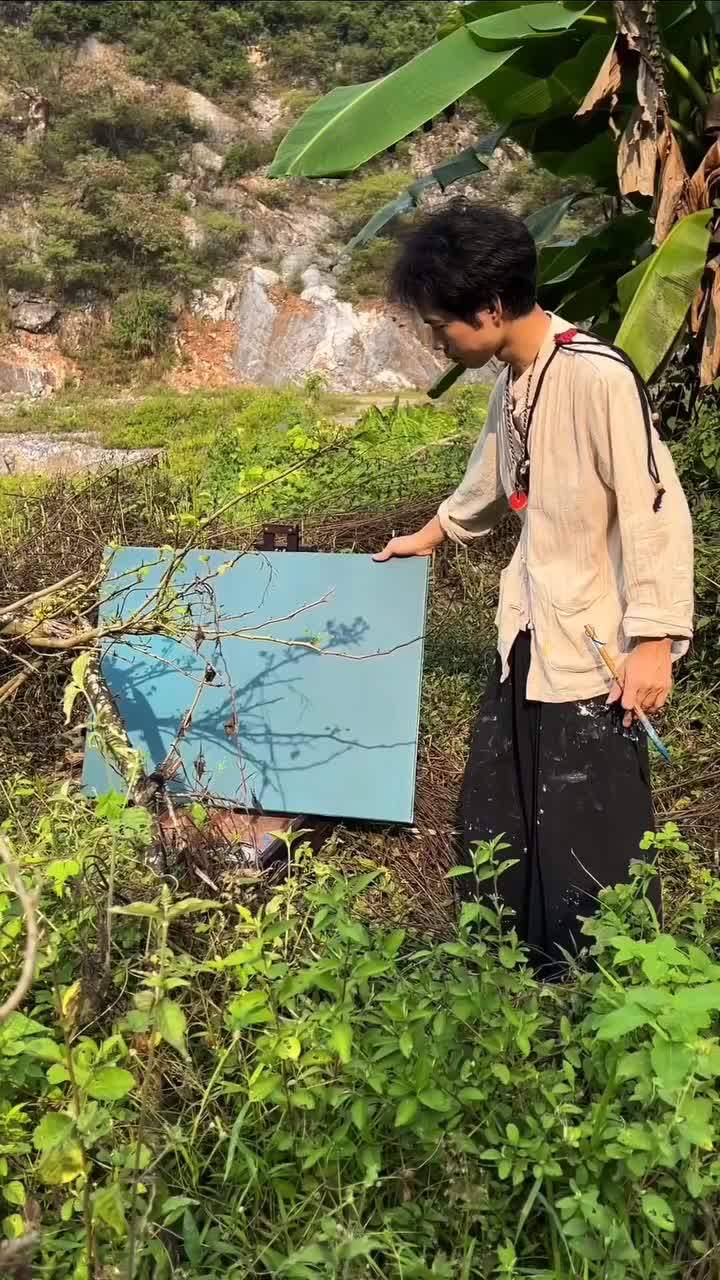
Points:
[605,541]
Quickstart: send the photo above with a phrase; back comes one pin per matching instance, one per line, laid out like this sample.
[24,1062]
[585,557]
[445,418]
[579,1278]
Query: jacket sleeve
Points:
[479,502]
[657,546]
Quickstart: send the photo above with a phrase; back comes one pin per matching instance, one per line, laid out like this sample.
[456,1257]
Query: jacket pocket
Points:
[570,649]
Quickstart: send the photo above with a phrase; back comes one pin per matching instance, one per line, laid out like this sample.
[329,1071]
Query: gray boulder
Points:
[34,314]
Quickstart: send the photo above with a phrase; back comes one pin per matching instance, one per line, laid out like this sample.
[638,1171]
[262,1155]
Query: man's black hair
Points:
[464,258]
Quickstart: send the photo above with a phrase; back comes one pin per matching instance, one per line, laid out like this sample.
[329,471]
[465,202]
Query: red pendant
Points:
[518,500]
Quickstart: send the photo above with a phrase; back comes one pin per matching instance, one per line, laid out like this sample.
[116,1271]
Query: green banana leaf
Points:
[545,222]
[446,381]
[664,286]
[353,123]
[463,165]
[544,79]
[528,22]
[483,8]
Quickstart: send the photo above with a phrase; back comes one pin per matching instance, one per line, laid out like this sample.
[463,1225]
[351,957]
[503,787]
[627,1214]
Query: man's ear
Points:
[491,315]
[495,312]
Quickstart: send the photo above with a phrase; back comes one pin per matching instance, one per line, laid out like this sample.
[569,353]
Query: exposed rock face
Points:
[31,313]
[268,337]
[221,128]
[25,379]
[53,455]
[202,159]
[32,366]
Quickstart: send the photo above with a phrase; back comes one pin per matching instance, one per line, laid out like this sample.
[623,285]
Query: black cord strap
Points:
[610,352]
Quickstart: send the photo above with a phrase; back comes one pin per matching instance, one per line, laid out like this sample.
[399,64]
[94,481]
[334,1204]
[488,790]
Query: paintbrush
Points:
[637,711]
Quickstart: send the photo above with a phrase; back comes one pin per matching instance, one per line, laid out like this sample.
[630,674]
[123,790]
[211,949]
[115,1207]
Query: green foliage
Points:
[695,445]
[206,46]
[366,274]
[285,1060]
[356,201]
[223,237]
[17,270]
[22,168]
[141,322]
[395,455]
[660,291]
[117,235]
[244,156]
[192,43]
[120,127]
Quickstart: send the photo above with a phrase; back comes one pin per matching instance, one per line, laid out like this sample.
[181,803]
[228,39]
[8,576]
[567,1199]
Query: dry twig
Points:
[28,902]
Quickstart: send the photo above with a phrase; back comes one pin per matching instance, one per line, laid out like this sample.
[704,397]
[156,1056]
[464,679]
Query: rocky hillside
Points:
[139,235]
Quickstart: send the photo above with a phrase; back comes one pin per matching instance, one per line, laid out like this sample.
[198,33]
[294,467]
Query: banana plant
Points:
[624,94]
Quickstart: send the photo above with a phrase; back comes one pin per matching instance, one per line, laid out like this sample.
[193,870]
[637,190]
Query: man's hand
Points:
[422,543]
[647,678]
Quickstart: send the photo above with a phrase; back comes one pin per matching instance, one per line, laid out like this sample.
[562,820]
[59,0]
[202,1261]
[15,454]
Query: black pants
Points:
[569,789]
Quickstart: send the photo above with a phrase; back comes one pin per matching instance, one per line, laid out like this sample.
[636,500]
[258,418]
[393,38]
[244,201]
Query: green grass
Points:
[218,444]
[335,1079]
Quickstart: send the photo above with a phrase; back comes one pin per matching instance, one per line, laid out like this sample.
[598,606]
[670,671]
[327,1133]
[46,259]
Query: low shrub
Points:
[246,155]
[275,1085]
[141,322]
[223,237]
[366,273]
[359,198]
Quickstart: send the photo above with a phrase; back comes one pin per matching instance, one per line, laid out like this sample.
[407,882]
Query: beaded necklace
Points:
[518,438]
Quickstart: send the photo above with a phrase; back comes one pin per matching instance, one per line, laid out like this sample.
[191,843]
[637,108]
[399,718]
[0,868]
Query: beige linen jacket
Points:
[591,549]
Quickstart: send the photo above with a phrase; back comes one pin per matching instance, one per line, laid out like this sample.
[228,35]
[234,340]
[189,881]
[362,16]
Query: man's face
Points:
[469,344]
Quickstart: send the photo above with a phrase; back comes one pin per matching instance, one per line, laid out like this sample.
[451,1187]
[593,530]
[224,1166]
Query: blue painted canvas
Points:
[326,724]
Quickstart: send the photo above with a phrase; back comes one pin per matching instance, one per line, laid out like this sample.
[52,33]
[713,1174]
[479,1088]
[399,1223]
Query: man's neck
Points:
[524,339]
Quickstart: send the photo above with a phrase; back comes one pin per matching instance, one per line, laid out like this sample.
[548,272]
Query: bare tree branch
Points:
[18,605]
[28,902]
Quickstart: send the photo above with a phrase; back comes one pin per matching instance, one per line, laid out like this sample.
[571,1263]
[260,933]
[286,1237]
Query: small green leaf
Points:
[406,1112]
[70,697]
[341,1040]
[192,1239]
[436,1100]
[513,1133]
[42,1047]
[150,910]
[617,1023]
[249,1009]
[79,668]
[658,1211]
[360,1114]
[171,1024]
[109,1084]
[406,1044]
[62,1164]
[302,1098]
[52,1131]
[289,1049]
[14,1193]
[108,1207]
[188,905]
[501,1073]
[672,1063]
